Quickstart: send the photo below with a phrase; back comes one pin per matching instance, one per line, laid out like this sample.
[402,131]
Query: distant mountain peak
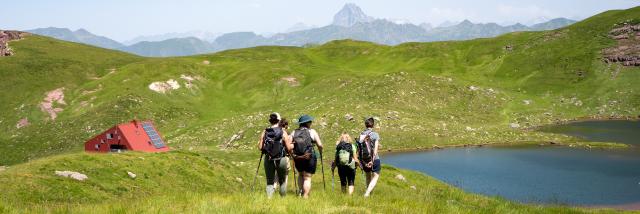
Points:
[349,15]
[466,22]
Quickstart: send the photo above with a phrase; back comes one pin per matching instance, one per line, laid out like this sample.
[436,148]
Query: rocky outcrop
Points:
[627,50]
[73,175]
[5,37]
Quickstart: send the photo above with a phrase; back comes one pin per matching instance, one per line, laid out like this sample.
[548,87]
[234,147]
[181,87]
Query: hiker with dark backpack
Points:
[368,143]
[304,153]
[274,144]
[346,161]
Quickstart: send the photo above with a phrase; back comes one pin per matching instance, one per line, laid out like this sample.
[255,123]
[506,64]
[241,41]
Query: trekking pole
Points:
[364,179]
[333,189]
[295,180]
[257,169]
[324,185]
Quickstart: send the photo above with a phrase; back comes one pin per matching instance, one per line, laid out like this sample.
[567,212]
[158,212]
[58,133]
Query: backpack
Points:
[272,143]
[344,152]
[303,143]
[365,147]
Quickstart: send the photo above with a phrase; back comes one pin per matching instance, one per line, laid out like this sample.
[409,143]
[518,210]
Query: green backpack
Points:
[344,152]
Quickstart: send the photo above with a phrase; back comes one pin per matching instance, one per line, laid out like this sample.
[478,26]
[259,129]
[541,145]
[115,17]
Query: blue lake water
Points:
[533,174]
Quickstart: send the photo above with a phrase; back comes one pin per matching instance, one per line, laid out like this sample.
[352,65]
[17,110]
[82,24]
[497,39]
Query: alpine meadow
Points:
[211,108]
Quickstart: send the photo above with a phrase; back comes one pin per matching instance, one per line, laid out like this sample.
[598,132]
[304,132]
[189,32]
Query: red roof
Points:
[135,135]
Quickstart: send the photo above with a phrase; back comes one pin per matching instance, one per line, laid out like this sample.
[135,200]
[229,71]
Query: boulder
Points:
[22,123]
[348,117]
[132,175]
[514,125]
[401,177]
[5,37]
[73,175]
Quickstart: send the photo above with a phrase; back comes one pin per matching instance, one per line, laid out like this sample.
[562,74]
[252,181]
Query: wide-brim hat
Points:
[304,119]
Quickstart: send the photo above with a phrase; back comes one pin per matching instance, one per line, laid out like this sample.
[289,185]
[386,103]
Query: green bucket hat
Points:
[304,118]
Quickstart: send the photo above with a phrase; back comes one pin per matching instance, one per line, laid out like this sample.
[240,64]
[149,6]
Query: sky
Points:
[125,19]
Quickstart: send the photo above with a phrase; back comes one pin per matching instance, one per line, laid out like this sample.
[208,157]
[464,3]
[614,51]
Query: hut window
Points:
[97,147]
[109,136]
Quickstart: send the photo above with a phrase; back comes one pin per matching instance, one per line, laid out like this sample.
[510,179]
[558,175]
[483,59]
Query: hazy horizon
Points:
[122,20]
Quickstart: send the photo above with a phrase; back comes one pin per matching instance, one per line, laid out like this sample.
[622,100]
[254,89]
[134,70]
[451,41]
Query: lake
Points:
[548,174]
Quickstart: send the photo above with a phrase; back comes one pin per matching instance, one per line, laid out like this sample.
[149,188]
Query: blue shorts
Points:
[376,167]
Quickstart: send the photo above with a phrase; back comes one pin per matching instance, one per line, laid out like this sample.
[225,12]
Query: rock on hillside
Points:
[5,37]
[627,49]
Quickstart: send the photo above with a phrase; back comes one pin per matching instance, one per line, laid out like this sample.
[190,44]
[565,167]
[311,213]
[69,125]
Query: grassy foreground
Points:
[218,182]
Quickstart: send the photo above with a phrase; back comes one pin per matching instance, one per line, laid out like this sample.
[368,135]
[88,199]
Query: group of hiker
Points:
[277,146]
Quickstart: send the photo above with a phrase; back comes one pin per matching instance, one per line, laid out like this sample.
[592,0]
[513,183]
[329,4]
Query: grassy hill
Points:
[424,94]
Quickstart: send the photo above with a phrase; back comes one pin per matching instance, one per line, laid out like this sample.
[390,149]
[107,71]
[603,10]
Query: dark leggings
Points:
[347,175]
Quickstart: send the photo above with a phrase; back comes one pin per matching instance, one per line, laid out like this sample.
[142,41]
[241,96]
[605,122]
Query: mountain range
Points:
[349,23]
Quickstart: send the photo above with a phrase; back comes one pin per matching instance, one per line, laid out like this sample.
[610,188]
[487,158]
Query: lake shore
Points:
[579,144]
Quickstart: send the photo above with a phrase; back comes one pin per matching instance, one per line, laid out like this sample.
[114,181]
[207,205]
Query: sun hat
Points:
[304,119]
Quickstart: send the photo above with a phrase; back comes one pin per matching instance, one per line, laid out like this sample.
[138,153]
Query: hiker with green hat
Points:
[304,154]
[367,144]
[274,143]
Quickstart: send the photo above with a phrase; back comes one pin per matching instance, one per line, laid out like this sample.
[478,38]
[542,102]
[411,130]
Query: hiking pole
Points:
[364,179]
[333,189]
[295,180]
[257,169]
[324,185]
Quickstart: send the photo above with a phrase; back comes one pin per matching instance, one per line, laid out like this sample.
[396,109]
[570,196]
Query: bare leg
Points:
[372,184]
[351,188]
[307,185]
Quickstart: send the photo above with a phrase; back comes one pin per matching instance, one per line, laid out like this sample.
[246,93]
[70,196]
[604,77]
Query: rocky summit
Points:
[350,15]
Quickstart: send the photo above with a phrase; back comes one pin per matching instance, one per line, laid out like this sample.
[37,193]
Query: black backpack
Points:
[365,149]
[272,143]
[303,143]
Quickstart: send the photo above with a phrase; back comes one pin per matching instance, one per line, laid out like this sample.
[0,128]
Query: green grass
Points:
[424,94]
[208,181]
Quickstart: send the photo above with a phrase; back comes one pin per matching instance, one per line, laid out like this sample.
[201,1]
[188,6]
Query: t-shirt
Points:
[373,136]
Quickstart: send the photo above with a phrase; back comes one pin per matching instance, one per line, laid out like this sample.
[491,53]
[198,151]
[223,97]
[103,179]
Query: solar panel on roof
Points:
[153,135]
